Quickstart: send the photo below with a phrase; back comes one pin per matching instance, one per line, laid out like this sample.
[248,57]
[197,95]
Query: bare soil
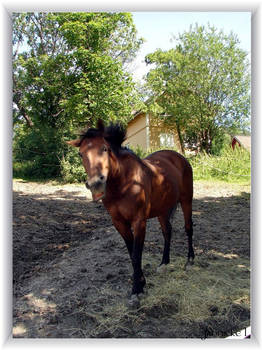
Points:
[70,265]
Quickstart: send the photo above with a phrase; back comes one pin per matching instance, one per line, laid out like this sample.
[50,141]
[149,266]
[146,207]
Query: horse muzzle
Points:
[97,188]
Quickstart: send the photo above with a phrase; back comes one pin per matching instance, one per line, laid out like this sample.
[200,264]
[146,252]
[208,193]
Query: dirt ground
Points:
[70,265]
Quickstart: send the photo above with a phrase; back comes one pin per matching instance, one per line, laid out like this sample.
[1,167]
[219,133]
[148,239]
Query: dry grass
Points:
[212,298]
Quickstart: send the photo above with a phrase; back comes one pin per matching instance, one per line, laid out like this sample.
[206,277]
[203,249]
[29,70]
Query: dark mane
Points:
[90,133]
[114,134]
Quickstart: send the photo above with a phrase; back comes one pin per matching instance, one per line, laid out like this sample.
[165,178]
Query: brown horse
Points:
[134,190]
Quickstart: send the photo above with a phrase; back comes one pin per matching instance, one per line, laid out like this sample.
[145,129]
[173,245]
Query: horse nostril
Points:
[102,177]
[87,186]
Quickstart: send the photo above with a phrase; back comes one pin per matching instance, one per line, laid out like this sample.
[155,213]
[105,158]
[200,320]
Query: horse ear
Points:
[74,143]
[100,125]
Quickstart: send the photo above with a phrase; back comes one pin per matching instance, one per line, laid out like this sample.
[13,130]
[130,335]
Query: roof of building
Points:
[244,141]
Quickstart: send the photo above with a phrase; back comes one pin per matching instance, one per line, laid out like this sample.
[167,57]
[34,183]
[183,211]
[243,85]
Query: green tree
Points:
[202,86]
[101,44]
[68,70]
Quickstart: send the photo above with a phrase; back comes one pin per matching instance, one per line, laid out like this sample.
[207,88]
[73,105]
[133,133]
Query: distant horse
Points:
[134,190]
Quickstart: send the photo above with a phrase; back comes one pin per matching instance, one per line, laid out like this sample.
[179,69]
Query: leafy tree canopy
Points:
[202,86]
[72,70]
[69,70]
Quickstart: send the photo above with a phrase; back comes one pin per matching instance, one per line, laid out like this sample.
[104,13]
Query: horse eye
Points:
[104,149]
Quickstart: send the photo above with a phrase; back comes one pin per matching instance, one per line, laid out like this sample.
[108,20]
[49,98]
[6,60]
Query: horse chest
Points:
[126,208]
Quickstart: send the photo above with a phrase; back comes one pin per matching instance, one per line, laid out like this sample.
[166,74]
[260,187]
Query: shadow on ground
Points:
[71,267]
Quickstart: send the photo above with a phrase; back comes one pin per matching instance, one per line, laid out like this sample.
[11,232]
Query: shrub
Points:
[72,169]
[138,150]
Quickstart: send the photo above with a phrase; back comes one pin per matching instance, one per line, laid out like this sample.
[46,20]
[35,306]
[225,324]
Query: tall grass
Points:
[231,166]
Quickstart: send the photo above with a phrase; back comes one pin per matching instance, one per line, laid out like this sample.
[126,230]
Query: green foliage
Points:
[138,150]
[39,150]
[72,169]
[220,142]
[231,166]
[71,74]
[24,170]
[202,86]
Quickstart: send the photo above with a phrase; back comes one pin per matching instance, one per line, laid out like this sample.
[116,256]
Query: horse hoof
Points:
[189,263]
[161,268]
[133,302]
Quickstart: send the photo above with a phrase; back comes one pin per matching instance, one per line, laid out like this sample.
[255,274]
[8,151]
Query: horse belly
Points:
[165,187]
[163,199]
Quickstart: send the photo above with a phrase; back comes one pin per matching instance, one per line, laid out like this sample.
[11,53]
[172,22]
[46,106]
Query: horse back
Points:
[172,179]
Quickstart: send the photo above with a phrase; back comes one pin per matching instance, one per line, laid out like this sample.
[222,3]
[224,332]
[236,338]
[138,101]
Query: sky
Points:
[157,28]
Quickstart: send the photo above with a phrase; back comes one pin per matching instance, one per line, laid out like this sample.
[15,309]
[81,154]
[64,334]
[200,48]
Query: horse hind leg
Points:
[191,254]
[187,211]
[166,227]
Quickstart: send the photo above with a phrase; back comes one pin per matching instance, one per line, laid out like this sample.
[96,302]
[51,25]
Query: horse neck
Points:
[114,167]
[121,166]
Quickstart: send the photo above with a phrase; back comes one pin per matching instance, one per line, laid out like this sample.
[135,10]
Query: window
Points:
[166,140]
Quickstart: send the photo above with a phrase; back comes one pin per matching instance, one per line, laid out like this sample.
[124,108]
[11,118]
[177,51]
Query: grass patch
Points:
[209,300]
[231,166]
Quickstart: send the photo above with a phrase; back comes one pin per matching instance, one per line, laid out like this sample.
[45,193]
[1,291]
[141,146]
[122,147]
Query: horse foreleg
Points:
[125,231]
[139,229]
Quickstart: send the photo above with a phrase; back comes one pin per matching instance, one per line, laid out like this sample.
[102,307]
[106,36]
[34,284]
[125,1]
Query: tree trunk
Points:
[22,111]
[27,118]
[180,139]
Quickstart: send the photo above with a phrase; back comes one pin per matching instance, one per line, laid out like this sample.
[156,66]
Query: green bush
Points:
[22,169]
[72,169]
[138,150]
[39,155]
[220,143]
